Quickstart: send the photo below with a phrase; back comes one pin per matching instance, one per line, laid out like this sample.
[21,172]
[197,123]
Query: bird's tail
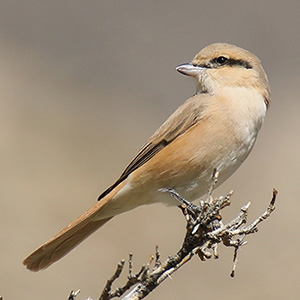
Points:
[69,237]
[62,243]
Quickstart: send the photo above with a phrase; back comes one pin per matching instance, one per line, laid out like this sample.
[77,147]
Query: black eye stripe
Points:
[233,62]
[239,62]
[230,62]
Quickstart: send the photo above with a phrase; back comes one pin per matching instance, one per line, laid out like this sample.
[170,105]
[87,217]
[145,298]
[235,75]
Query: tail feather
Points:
[71,236]
[61,244]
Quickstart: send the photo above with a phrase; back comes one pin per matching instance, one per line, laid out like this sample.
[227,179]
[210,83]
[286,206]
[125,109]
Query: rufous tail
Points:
[69,237]
[62,243]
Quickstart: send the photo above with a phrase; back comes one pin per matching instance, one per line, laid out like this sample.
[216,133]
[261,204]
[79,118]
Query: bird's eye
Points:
[222,60]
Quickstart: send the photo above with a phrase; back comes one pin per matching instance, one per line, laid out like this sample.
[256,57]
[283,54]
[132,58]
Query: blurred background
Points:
[83,85]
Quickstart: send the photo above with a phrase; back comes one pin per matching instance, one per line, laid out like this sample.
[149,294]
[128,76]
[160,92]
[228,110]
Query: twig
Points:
[106,291]
[132,280]
[72,295]
[204,231]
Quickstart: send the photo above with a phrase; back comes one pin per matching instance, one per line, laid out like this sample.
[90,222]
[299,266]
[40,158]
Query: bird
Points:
[214,129]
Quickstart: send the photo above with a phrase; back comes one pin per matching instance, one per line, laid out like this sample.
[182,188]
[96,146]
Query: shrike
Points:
[214,129]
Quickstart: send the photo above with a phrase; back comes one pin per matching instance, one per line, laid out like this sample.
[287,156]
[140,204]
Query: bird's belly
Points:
[201,183]
[194,180]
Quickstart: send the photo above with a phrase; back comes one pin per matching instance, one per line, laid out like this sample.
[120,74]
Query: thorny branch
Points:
[204,231]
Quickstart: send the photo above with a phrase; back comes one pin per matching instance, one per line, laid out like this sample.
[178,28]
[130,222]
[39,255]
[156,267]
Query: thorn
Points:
[275,193]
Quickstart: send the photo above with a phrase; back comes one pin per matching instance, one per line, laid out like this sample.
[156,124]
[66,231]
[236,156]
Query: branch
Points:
[204,232]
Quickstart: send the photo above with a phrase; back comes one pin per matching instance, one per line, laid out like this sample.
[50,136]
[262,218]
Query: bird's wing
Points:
[186,116]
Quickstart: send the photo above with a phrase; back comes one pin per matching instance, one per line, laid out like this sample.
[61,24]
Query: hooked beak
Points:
[189,69]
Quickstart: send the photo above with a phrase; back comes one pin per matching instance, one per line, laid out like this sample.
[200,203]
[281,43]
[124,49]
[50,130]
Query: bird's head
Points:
[222,65]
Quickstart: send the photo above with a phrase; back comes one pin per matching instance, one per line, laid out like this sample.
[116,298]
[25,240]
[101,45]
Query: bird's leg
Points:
[214,181]
[192,208]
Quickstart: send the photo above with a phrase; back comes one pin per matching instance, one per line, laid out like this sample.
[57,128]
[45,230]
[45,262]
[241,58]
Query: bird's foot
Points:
[192,208]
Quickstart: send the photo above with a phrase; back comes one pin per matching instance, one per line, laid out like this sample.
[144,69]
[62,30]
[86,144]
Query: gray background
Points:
[83,85]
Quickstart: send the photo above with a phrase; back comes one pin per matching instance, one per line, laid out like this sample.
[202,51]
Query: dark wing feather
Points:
[181,120]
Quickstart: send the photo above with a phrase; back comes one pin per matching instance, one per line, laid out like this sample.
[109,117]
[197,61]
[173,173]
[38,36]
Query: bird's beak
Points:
[189,69]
